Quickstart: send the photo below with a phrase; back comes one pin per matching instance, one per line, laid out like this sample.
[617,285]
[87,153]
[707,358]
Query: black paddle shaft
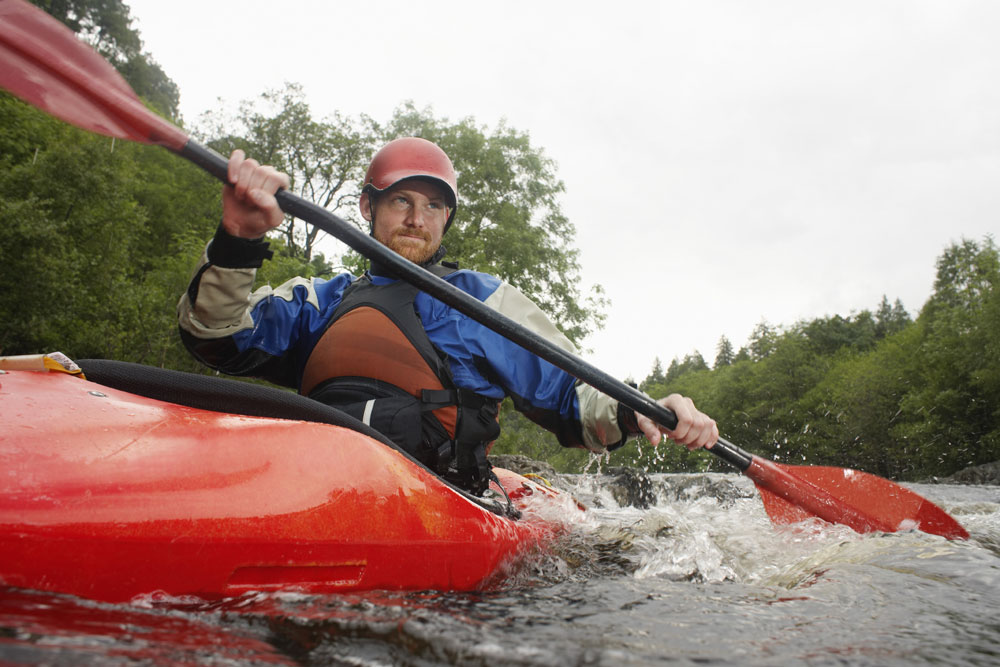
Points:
[466,304]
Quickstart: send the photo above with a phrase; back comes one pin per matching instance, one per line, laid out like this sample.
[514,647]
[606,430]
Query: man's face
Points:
[409,218]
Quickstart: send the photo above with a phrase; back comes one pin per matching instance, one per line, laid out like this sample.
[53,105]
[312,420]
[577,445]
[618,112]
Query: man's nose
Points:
[417,216]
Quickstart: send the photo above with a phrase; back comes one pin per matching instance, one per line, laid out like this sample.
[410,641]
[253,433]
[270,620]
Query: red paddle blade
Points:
[856,499]
[43,63]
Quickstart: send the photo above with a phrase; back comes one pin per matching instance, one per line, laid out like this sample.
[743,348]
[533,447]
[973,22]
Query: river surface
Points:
[700,576]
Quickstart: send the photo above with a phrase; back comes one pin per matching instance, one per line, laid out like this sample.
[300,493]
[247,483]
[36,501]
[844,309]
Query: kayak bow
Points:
[110,495]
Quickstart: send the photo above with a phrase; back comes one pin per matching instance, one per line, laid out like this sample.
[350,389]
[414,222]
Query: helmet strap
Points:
[371,212]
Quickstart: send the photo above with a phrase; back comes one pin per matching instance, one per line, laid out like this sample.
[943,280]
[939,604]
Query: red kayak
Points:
[108,494]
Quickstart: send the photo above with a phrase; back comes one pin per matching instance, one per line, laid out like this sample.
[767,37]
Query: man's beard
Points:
[410,248]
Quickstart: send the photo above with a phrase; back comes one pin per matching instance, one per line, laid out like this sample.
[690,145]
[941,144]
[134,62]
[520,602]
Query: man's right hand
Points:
[249,209]
[694,428]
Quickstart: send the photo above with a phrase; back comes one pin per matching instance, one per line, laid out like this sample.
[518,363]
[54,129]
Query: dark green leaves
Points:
[874,390]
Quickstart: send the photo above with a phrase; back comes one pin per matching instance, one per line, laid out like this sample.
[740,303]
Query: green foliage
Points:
[762,341]
[107,26]
[853,412]
[691,363]
[952,406]
[326,159]
[890,319]
[518,435]
[878,392]
[724,354]
[655,376]
[92,241]
[99,235]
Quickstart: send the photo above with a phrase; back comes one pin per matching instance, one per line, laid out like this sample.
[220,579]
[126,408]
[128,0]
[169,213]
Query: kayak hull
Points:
[109,495]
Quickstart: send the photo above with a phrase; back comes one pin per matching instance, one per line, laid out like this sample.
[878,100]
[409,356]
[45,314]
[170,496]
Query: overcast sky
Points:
[724,162]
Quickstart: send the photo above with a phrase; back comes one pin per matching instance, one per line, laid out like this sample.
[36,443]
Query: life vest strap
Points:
[432,399]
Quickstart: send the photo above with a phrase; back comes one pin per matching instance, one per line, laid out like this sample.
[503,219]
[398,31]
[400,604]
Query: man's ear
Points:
[365,204]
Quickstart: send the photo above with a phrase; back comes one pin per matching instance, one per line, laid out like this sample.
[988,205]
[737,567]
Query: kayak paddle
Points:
[43,63]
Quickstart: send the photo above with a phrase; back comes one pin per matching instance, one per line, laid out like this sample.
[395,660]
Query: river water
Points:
[696,574]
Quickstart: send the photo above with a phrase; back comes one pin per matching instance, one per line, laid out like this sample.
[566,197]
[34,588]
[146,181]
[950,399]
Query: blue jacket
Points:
[270,333]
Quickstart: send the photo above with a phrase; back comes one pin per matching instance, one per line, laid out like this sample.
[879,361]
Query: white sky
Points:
[724,162]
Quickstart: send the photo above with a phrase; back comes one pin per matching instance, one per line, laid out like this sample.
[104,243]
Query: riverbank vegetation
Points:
[874,390]
[99,237]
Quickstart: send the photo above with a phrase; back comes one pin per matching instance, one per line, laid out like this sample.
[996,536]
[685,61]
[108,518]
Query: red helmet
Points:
[412,157]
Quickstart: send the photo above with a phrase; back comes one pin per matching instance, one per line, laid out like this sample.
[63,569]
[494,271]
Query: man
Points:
[426,376]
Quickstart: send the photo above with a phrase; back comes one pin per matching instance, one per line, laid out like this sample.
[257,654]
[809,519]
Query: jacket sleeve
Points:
[229,327]
[592,415]
[485,362]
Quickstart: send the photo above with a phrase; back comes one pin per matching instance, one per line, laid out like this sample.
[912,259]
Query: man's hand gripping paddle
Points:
[43,63]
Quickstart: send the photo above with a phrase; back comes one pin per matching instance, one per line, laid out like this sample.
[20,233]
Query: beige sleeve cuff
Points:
[222,307]
[599,418]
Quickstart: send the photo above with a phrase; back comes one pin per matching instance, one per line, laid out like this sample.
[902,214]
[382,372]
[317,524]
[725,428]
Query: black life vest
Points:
[376,363]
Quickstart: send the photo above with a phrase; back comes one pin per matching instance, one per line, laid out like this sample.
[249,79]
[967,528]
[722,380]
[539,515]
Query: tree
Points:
[655,376]
[953,408]
[853,412]
[104,24]
[325,159]
[827,335]
[724,355]
[966,275]
[762,341]
[890,319]
[107,26]
[94,229]
[691,363]
[67,231]
[97,237]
